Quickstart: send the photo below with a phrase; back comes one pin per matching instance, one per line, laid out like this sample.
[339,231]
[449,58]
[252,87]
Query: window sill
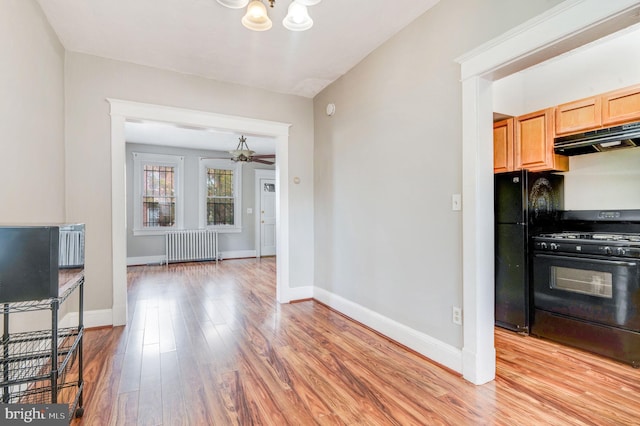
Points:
[150,232]
[226,230]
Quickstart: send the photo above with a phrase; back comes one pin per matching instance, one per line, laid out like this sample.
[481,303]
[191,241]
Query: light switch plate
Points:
[456,202]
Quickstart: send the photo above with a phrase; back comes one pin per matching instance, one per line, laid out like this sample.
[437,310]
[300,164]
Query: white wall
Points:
[32,127]
[595,181]
[607,180]
[153,246]
[90,80]
[32,109]
[387,163]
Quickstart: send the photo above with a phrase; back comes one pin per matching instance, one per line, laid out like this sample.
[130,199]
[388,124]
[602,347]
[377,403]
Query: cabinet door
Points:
[503,146]
[578,116]
[621,106]
[534,132]
[534,143]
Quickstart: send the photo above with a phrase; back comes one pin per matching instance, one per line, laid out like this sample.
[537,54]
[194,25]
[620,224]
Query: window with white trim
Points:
[220,194]
[157,192]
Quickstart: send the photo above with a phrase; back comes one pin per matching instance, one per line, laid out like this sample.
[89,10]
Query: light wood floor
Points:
[208,345]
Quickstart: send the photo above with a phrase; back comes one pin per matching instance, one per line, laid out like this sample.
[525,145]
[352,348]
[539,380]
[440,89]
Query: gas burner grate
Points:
[597,236]
[567,236]
[633,238]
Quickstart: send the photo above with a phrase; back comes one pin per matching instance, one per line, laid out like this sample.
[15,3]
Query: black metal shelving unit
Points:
[44,366]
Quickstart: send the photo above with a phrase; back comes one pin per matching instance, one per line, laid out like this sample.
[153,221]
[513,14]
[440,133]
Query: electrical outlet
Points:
[456,315]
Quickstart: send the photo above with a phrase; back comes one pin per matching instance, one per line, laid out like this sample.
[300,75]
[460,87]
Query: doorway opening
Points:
[559,30]
[265,227]
[121,111]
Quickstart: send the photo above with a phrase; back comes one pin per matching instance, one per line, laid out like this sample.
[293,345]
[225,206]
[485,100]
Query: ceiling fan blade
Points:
[263,156]
[257,160]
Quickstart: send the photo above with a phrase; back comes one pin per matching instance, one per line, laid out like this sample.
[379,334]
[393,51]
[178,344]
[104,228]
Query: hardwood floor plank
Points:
[125,411]
[174,411]
[131,368]
[101,379]
[207,344]
[191,387]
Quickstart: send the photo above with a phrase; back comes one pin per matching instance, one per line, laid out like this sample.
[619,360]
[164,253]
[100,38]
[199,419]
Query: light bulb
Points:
[298,12]
[256,18]
[297,18]
[256,10]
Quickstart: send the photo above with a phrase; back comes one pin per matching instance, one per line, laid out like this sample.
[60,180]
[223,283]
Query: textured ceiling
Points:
[204,38]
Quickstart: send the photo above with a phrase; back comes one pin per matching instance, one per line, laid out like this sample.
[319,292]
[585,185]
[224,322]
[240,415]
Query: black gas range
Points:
[586,282]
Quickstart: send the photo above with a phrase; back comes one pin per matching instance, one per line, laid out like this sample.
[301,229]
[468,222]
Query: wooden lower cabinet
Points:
[503,158]
[534,135]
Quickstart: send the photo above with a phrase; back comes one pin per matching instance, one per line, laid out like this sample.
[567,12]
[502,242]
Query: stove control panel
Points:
[586,248]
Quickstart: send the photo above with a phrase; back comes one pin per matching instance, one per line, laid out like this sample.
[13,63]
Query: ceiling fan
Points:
[242,153]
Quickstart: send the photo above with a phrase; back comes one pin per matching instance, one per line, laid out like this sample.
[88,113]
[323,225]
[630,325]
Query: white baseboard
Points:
[98,318]
[238,254]
[299,293]
[436,350]
[161,259]
[146,260]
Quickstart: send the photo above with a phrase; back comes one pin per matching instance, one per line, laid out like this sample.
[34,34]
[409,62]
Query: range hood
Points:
[624,136]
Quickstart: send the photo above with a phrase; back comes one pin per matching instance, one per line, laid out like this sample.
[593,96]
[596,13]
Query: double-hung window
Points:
[220,195]
[157,192]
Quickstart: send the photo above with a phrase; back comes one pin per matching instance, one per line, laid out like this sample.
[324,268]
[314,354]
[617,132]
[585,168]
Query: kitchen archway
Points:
[559,30]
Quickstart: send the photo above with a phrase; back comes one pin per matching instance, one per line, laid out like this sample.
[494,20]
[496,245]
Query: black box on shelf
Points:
[36,259]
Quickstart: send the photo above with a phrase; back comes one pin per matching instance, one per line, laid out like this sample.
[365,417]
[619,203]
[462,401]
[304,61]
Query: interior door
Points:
[267,217]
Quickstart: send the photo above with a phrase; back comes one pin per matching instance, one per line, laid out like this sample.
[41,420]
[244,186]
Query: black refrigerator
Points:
[525,204]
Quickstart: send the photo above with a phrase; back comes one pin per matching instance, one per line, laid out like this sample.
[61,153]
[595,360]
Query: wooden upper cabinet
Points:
[579,116]
[534,135]
[605,110]
[621,106]
[503,155]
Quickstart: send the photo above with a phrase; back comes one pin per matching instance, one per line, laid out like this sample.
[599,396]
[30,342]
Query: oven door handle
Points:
[587,259]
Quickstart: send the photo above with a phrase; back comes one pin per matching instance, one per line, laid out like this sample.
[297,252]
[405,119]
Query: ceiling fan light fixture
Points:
[241,155]
[242,151]
[256,18]
[234,4]
[297,18]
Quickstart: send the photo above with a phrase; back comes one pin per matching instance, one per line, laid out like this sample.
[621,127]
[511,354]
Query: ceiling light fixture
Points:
[234,4]
[257,18]
[242,152]
[297,18]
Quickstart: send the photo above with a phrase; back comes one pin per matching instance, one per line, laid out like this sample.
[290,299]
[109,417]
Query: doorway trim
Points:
[121,111]
[571,24]
[259,175]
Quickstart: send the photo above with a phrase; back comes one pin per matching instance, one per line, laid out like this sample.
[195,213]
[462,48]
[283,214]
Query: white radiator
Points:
[71,248]
[191,245]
